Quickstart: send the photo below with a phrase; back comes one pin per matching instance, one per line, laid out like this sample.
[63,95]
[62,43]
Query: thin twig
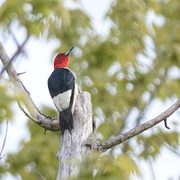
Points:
[21,73]
[165,124]
[24,111]
[19,47]
[4,142]
[151,168]
[152,93]
[172,150]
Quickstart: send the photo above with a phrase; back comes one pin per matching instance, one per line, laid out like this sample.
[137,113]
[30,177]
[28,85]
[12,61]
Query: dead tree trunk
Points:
[72,149]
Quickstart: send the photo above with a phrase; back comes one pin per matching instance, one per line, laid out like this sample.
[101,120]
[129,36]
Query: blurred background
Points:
[127,57]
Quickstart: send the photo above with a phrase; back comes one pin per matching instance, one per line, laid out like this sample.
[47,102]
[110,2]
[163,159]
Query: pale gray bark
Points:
[72,148]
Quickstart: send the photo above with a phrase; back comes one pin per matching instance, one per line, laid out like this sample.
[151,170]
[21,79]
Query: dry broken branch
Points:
[37,116]
[140,128]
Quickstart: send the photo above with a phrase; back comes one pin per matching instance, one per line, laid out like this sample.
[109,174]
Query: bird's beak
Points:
[69,51]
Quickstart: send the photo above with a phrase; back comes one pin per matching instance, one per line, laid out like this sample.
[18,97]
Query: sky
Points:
[38,66]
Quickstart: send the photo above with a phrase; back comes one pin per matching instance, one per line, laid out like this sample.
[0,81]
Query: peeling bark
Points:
[72,148]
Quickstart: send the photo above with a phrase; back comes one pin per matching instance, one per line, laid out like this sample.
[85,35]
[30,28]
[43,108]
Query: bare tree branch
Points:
[20,47]
[37,117]
[153,175]
[19,50]
[139,129]
[176,152]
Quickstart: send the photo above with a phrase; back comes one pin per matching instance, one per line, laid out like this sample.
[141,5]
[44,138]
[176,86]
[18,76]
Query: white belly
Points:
[62,101]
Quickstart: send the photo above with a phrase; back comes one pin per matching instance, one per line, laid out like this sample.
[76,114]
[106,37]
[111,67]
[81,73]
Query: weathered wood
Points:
[72,149]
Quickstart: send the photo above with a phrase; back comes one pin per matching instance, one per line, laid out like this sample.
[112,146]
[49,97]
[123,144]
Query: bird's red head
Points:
[61,60]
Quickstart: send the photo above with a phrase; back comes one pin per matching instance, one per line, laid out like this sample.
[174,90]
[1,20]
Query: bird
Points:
[63,90]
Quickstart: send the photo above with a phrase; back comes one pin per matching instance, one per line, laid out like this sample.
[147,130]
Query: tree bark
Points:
[72,148]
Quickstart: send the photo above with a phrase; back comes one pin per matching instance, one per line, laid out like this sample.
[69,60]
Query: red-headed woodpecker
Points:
[62,88]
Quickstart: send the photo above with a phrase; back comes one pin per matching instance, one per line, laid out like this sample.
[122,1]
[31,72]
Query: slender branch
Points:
[37,116]
[19,47]
[153,175]
[4,142]
[24,111]
[19,50]
[140,128]
[169,147]
[162,78]
[172,149]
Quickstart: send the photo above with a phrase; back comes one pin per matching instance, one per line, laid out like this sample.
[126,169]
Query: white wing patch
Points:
[61,101]
[75,97]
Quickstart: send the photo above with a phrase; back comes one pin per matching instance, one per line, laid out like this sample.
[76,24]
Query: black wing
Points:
[60,81]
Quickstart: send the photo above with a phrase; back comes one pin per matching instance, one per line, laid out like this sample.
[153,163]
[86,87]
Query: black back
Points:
[60,81]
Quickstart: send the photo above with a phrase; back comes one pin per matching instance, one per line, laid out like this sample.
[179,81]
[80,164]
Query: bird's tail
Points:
[66,120]
[66,116]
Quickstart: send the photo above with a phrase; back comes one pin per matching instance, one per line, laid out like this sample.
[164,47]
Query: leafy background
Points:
[127,68]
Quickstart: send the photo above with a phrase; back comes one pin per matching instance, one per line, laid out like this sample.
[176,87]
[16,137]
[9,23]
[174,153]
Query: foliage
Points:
[153,144]
[35,160]
[125,72]
[108,167]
